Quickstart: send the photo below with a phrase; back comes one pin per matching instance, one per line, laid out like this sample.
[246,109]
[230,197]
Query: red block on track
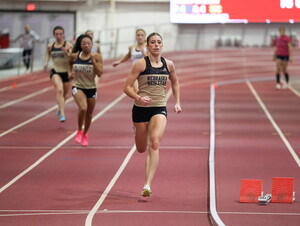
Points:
[250,190]
[282,189]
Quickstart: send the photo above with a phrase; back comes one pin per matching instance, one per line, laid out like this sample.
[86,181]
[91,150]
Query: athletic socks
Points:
[278,78]
[286,77]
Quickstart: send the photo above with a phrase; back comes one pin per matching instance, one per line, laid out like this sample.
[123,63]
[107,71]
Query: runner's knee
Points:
[154,143]
[59,91]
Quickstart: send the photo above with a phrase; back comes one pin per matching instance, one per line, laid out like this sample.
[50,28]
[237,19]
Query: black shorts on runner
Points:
[144,114]
[90,93]
[64,75]
[283,58]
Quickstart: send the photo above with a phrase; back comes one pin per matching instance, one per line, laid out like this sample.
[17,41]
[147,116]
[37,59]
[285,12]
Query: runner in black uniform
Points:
[59,51]
[149,113]
[84,65]
[96,49]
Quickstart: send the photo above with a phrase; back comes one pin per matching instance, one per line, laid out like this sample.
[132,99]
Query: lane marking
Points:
[112,211]
[101,147]
[8,213]
[32,82]
[274,124]
[44,113]
[26,97]
[212,193]
[261,213]
[294,91]
[112,82]
[108,107]
[49,88]
[73,212]
[212,180]
[90,216]
[32,119]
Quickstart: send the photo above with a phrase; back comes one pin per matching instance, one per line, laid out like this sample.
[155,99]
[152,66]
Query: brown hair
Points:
[140,29]
[152,34]
[58,28]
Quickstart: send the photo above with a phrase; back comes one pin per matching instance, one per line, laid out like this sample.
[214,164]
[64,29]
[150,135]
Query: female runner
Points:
[59,51]
[149,113]
[84,66]
[136,51]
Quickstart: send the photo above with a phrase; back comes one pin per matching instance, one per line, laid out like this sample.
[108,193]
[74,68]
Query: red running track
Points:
[45,178]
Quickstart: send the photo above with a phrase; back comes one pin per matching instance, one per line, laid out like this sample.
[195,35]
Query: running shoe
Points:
[58,112]
[84,140]
[285,85]
[146,191]
[78,136]
[278,86]
[62,118]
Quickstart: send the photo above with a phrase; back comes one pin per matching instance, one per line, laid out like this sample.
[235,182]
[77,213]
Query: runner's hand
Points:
[145,100]
[177,108]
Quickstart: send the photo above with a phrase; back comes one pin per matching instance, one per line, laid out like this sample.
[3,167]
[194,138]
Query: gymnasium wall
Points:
[114,23]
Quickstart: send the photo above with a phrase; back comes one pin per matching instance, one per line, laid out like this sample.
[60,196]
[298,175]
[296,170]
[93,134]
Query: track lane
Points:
[47,128]
[247,141]
[72,175]
[284,108]
[184,150]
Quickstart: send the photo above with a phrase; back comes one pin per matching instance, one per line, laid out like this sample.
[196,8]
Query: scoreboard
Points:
[234,11]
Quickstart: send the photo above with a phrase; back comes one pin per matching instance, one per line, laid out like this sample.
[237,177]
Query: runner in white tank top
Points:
[135,52]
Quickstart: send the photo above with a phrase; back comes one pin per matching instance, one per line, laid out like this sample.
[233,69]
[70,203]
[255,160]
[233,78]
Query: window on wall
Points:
[234,11]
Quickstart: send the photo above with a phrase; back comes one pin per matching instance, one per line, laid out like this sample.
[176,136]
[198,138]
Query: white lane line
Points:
[47,89]
[212,180]
[26,97]
[32,119]
[37,162]
[105,210]
[42,213]
[117,100]
[76,212]
[286,142]
[102,147]
[10,213]
[261,213]
[294,91]
[32,82]
[112,82]
[45,112]
[89,218]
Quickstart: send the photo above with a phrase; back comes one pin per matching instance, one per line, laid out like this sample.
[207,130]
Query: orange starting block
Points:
[283,190]
[251,190]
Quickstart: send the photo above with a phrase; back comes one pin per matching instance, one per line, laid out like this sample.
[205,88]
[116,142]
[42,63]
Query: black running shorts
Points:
[144,114]
[89,93]
[64,75]
[283,58]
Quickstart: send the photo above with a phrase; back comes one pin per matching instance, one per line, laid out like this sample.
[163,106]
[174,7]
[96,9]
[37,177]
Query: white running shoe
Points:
[278,86]
[285,86]
[146,191]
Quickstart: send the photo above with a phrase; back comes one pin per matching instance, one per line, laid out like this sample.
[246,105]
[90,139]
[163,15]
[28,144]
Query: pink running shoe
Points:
[84,140]
[78,137]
